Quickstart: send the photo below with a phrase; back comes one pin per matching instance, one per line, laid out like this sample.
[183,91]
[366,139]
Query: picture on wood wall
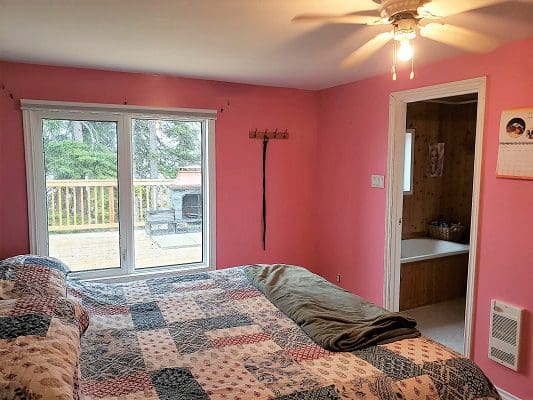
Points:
[515,152]
[436,160]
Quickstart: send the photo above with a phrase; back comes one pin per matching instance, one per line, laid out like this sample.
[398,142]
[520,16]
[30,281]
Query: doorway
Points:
[398,168]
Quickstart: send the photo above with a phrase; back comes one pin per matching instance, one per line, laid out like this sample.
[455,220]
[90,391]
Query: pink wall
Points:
[238,159]
[353,145]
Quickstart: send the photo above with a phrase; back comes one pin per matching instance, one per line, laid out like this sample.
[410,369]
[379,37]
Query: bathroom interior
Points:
[437,205]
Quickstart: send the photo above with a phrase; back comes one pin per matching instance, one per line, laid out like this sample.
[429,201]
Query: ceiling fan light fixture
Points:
[405,29]
[405,52]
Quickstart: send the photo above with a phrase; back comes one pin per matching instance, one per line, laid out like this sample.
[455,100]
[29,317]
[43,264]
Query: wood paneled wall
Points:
[449,196]
[422,206]
[458,127]
[432,281]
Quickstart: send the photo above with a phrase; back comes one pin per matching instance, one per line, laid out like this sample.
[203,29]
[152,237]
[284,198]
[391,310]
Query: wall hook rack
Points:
[275,134]
[266,136]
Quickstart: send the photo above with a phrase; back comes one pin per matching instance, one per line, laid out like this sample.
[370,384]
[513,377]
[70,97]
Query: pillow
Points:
[32,259]
[32,275]
[40,347]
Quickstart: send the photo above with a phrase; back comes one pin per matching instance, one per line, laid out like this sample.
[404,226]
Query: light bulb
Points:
[405,52]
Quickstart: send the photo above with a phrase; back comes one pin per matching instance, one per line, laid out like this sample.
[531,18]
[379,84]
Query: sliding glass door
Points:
[167,187]
[112,193]
[81,184]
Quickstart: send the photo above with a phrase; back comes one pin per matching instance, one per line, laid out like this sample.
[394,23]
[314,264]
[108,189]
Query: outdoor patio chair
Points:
[160,222]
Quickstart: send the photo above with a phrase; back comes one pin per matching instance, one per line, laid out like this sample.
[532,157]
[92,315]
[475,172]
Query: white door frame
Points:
[393,228]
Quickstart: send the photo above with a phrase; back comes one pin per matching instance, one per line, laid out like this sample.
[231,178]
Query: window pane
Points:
[81,192]
[408,158]
[167,180]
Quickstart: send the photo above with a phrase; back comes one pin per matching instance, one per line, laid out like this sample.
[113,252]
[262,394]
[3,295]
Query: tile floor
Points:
[443,322]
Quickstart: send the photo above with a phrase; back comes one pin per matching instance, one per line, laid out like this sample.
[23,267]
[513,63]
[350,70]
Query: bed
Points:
[215,335]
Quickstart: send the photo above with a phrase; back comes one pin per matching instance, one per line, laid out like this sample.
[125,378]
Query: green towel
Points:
[333,317]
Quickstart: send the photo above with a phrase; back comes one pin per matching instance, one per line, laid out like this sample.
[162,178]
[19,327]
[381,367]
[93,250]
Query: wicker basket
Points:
[452,234]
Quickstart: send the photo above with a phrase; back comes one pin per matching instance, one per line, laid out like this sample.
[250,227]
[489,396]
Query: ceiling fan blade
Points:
[366,50]
[352,18]
[462,38]
[445,8]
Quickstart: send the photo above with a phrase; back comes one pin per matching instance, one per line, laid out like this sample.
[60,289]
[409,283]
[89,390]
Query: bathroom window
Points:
[409,139]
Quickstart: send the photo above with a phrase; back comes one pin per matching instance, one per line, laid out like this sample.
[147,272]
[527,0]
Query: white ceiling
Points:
[249,41]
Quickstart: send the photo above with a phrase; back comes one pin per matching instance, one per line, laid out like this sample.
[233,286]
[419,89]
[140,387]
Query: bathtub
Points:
[425,249]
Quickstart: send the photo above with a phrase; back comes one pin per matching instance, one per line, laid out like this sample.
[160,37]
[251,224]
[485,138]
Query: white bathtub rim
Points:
[431,256]
[458,248]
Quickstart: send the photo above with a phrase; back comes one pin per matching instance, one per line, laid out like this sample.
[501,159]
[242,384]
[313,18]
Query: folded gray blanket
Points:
[333,317]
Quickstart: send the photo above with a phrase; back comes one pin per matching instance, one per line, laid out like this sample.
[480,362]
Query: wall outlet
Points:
[378,181]
[338,278]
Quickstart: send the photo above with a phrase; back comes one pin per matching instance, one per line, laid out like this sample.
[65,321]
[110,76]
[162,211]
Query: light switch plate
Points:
[378,181]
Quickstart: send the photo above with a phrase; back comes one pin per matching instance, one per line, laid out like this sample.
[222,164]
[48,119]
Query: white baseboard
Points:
[505,395]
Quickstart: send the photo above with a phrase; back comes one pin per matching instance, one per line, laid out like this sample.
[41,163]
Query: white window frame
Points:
[409,163]
[34,111]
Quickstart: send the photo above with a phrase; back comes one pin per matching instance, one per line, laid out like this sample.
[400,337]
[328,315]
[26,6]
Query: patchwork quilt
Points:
[40,347]
[215,336]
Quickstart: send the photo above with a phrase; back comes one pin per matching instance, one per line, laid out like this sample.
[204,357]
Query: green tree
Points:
[80,149]
[168,145]
[88,149]
[69,159]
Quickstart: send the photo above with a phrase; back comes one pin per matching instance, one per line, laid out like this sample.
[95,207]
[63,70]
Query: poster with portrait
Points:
[436,160]
[515,152]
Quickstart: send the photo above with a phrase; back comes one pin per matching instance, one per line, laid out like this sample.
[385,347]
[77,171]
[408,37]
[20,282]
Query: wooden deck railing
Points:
[93,203]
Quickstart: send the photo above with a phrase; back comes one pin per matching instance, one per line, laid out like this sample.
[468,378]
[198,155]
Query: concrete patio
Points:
[96,250]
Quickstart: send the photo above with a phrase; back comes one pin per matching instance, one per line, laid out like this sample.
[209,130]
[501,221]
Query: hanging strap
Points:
[265,145]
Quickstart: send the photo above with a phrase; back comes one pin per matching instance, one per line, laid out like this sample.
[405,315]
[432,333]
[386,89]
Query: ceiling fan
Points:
[409,18]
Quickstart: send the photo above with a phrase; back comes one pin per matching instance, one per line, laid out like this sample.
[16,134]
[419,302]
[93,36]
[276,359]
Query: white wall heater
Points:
[504,339]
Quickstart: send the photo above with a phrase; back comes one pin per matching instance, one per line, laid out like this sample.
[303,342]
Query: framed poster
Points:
[515,152]
[436,160]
